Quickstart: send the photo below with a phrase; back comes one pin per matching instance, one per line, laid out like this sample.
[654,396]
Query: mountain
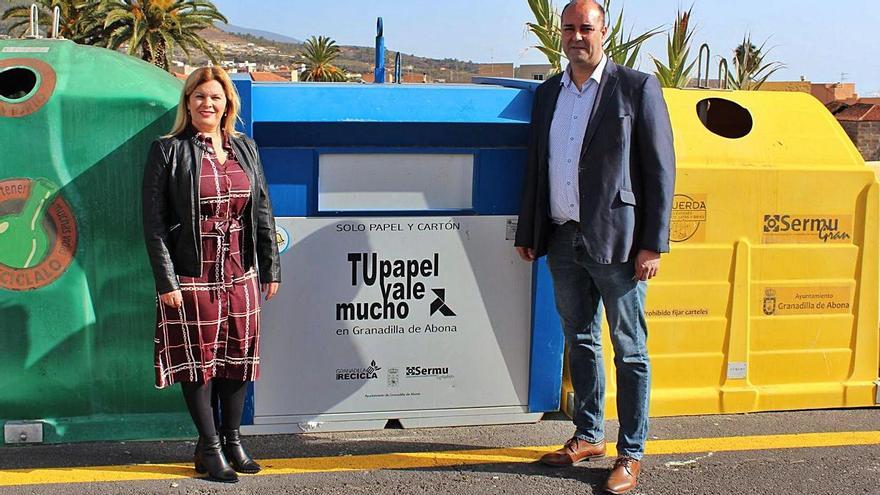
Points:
[267,35]
[359,59]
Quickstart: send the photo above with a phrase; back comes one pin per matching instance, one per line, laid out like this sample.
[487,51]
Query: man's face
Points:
[583,30]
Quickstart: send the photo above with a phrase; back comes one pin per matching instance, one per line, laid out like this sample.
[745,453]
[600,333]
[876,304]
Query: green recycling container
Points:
[76,292]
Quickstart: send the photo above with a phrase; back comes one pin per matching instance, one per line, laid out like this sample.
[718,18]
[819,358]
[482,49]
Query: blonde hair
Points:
[196,79]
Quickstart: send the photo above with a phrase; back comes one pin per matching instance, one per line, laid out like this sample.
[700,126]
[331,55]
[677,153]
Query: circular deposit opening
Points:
[18,83]
[724,117]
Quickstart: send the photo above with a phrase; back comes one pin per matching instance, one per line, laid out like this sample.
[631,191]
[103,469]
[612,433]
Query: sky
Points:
[824,41]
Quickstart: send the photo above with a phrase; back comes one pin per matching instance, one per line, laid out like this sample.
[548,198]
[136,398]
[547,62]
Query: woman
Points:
[210,235]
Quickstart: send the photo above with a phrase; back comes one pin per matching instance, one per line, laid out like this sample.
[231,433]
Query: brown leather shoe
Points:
[575,450]
[624,475]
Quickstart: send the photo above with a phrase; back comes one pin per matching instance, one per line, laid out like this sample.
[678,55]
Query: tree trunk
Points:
[162,56]
[157,57]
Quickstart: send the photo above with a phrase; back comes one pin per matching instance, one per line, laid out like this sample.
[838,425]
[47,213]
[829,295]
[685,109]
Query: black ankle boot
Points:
[209,459]
[238,458]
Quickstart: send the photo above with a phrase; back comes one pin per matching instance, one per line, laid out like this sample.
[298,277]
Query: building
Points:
[824,92]
[791,86]
[370,77]
[415,78]
[535,72]
[828,92]
[495,70]
[260,76]
[408,78]
[861,121]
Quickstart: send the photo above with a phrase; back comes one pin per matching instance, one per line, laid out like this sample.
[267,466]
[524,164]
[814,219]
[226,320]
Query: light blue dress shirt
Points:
[570,120]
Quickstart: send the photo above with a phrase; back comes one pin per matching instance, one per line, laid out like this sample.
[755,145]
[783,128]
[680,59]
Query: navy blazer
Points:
[626,172]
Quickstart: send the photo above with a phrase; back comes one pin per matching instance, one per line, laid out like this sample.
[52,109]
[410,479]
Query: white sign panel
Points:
[396,314]
[395,181]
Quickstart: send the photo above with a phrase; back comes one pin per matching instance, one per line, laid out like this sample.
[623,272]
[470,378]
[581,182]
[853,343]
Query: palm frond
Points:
[750,71]
[546,29]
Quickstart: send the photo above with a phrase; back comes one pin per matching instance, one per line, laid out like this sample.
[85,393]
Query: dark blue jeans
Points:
[580,285]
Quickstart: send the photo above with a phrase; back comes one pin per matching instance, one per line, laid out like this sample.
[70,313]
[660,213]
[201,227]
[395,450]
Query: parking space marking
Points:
[415,460]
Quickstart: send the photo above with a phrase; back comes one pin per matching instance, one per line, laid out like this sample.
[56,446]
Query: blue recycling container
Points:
[403,298]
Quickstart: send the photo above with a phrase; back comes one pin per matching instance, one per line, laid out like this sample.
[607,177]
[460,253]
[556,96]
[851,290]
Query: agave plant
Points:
[750,71]
[320,52]
[676,71]
[546,28]
[81,21]
[621,48]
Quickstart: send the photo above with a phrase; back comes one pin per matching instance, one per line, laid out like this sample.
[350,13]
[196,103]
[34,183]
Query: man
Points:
[597,199]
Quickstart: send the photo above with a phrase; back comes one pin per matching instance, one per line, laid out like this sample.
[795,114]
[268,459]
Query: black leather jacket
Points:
[171,211]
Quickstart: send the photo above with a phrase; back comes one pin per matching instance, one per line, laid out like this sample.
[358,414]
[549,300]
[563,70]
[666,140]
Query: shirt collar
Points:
[206,142]
[596,76]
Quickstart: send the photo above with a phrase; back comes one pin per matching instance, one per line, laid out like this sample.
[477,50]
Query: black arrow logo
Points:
[439,304]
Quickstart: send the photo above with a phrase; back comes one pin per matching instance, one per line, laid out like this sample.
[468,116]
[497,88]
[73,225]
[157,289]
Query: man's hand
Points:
[647,265]
[172,299]
[527,254]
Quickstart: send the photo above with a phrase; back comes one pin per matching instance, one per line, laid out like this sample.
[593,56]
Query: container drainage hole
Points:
[724,117]
[17,82]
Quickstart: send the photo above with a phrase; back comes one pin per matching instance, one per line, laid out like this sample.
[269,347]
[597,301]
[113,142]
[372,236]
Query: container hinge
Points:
[23,432]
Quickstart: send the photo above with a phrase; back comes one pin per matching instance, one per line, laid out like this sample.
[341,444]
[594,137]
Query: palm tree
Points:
[81,21]
[319,54]
[157,26]
[749,69]
[676,72]
[620,48]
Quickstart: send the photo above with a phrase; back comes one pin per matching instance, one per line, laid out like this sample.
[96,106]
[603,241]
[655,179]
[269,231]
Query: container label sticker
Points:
[736,370]
[807,229]
[282,238]
[510,232]
[37,231]
[25,49]
[689,213]
[806,300]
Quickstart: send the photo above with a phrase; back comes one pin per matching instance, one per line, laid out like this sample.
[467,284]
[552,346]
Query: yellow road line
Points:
[136,472]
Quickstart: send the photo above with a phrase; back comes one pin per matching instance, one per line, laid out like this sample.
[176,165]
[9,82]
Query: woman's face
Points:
[206,106]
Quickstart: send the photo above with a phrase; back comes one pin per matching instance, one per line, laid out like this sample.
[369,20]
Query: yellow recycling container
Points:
[769,298]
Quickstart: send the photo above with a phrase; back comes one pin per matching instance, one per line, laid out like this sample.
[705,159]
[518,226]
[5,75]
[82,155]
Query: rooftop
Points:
[860,112]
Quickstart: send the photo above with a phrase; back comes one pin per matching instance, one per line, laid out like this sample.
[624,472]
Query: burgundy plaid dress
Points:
[216,332]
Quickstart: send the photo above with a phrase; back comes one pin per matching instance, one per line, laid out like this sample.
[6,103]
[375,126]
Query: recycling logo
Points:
[38,234]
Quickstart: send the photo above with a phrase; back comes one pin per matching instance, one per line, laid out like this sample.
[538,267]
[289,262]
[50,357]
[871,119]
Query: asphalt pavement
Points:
[805,452]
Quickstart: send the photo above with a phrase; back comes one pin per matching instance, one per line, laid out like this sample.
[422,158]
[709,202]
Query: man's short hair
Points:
[598,5]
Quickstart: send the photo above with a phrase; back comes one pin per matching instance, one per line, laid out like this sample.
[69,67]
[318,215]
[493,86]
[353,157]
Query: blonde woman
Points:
[210,237]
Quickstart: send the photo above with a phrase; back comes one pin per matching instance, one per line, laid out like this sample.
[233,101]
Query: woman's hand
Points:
[270,289]
[173,299]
